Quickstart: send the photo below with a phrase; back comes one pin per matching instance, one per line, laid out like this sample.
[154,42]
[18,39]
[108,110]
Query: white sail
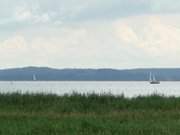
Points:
[34,77]
[150,77]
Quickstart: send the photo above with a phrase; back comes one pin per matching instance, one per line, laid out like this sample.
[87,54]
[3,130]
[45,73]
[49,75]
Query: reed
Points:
[88,114]
[84,103]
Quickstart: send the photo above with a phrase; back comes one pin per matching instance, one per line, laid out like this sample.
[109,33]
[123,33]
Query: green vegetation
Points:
[40,114]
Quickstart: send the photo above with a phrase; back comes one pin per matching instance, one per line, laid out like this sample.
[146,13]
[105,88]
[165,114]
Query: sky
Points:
[90,33]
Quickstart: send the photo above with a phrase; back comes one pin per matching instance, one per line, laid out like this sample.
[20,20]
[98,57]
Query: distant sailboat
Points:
[152,79]
[34,78]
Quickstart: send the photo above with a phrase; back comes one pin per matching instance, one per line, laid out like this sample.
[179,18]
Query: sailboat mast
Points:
[154,78]
[34,77]
[150,77]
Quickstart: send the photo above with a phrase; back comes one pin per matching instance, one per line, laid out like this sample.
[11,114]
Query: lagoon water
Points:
[129,89]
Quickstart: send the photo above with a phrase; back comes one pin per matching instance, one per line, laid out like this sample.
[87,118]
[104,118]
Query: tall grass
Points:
[88,114]
[87,103]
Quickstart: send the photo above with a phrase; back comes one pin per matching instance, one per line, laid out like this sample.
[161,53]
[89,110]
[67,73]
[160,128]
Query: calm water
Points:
[129,89]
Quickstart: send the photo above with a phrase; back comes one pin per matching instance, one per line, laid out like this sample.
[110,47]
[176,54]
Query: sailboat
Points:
[34,77]
[152,79]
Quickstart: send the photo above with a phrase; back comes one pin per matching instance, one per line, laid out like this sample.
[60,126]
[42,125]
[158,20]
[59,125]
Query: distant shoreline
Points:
[75,81]
[50,74]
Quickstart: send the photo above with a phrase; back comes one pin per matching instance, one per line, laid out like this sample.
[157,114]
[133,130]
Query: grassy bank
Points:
[92,114]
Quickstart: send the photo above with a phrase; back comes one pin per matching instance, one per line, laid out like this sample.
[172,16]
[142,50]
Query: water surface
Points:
[129,89]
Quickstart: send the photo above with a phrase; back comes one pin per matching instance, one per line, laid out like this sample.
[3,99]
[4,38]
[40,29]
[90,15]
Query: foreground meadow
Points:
[39,114]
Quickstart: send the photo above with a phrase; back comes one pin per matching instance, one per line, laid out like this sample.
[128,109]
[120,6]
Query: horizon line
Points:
[86,68]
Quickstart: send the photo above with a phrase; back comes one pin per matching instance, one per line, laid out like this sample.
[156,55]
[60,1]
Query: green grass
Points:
[40,114]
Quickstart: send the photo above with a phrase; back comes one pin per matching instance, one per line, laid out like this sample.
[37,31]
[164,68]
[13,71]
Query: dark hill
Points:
[50,74]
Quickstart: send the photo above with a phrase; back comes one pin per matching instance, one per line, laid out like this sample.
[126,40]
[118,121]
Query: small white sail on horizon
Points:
[152,79]
[34,77]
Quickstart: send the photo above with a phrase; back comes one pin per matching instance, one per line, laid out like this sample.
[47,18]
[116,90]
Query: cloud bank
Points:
[108,34]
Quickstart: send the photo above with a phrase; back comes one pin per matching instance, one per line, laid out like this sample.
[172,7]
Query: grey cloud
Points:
[75,10]
[71,11]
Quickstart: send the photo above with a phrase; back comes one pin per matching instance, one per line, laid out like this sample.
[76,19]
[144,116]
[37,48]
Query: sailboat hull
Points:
[155,82]
[152,80]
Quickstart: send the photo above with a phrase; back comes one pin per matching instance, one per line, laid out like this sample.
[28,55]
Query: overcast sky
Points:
[90,33]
